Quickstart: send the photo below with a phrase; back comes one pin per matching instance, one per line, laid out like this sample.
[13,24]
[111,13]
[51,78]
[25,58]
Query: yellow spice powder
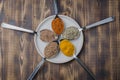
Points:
[67,47]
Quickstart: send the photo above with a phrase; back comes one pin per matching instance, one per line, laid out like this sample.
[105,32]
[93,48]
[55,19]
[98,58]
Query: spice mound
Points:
[57,26]
[47,35]
[67,47]
[51,50]
[71,33]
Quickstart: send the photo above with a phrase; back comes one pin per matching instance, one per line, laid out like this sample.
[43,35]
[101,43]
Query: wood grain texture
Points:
[101,49]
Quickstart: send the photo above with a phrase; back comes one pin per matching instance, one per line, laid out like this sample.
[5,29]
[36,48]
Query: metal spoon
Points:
[36,69]
[107,20]
[56,8]
[57,23]
[56,12]
[41,63]
[84,66]
[9,26]
[78,60]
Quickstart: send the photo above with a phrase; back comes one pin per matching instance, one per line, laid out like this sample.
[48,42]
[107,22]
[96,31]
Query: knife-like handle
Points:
[100,22]
[56,6]
[36,69]
[9,26]
[84,67]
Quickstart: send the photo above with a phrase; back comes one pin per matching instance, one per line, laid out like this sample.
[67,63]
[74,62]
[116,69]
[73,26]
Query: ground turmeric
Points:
[67,47]
[57,25]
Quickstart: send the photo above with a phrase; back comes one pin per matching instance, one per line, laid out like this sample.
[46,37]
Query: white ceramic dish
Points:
[46,24]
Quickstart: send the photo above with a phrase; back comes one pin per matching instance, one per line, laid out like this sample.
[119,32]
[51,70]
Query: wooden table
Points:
[100,52]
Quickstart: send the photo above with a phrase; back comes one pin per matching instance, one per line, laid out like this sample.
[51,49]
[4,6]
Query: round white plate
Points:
[46,24]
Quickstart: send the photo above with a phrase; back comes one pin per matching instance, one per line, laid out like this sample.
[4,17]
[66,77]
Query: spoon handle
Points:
[9,26]
[56,6]
[36,69]
[100,22]
[84,67]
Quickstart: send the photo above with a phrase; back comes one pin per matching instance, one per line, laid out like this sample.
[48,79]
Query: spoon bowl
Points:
[72,33]
[51,54]
[69,50]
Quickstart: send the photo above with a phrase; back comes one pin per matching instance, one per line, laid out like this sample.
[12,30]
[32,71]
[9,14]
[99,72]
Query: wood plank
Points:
[100,53]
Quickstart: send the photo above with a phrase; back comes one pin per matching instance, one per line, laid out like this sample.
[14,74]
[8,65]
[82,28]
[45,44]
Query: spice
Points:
[51,50]
[67,47]
[57,26]
[71,33]
[47,35]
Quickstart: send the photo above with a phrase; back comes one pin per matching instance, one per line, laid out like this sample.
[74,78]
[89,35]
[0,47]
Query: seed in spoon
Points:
[58,25]
[51,50]
[67,47]
[47,35]
[71,33]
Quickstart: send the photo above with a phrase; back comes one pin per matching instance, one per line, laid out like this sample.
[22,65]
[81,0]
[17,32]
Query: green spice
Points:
[71,33]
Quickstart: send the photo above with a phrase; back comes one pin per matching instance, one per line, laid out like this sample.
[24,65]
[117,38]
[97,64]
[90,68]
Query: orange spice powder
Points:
[57,26]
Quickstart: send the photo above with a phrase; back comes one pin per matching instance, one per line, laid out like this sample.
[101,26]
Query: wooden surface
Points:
[100,53]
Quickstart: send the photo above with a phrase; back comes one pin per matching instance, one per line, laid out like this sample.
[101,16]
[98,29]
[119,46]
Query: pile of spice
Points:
[67,47]
[47,35]
[71,33]
[57,25]
[51,50]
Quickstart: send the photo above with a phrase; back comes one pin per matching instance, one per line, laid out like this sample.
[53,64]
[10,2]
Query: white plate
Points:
[46,24]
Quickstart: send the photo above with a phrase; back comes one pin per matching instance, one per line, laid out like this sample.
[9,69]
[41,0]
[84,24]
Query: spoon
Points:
[12,27]
[36,69]
[69,48]
[57,21]
[9,26]
[107,20]
[84,66]
[54,48]
[59,25]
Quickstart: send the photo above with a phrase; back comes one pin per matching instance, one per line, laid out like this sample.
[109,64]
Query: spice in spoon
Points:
[51,50]
[67,47]
[57,25]
[47,35]
[71,33]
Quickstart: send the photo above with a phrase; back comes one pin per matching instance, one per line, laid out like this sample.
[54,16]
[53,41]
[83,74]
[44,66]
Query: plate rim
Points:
[35,37]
